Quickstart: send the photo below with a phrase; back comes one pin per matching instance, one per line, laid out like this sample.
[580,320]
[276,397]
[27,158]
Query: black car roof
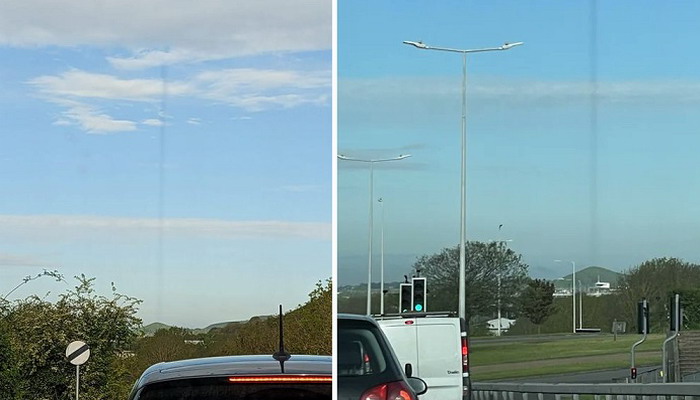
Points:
[235,365]
[357,317]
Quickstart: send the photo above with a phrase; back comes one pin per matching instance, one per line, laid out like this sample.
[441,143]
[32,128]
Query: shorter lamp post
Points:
[371,163]
[573,292]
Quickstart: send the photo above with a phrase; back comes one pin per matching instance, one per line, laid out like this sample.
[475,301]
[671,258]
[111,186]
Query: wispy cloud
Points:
[521,91]
[259,89]
[153,122]
[252,90]
[158,32]
[19,260]
[91,120]
[87,85]
[77,225]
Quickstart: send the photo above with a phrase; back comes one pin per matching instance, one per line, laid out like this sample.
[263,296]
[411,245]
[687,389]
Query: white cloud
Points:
[194,121]
[170,31]
[259,89]
[92,120]
[249,89]
[488,88]
[72,226]
[77,83]
[153,122]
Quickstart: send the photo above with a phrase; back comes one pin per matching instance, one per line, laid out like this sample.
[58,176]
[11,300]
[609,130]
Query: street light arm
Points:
[400,157]
[424,46]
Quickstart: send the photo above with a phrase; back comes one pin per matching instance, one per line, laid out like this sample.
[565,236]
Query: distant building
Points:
[506,323]
[600,289]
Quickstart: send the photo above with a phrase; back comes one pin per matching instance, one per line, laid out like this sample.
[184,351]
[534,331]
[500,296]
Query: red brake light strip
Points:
[281,379]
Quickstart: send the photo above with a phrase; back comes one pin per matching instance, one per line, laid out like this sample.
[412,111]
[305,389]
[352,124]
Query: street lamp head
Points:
[507,45]
[418,44]
[402,156]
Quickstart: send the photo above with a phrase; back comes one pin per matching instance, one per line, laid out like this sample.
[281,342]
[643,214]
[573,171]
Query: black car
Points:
[297,377]
[367,366]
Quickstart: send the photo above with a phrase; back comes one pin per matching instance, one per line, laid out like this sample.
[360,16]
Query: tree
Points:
[308,330]
[537,301]
[40,330]
[655,280]
[9,369]
[485,262]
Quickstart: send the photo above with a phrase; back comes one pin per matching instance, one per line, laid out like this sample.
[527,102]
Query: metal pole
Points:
[664,357]
[580,305]
[381,282]
[573,293]
[463,202]
[371,228]
[645,330]
[499,303]
[77,381]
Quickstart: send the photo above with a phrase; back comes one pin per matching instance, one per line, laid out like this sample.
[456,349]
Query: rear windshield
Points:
[221,388]
[360,350]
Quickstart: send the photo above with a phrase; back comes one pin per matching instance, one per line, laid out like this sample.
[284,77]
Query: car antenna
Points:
[281,355]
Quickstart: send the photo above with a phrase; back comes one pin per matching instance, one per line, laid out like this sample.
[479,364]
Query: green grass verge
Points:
[490,353]
[512,371]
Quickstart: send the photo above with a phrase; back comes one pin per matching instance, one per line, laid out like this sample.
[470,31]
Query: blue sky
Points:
[180,150]
[582,142]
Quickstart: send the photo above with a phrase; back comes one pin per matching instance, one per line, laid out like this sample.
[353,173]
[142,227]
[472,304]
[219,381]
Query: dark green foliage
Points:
[690,304]
[485,261]
[10,377]
[308,330]
[40,331]
[537,301]
[654,280]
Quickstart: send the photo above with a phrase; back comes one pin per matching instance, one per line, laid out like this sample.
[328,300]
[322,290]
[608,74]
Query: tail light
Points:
[281,379]
[389,391]
[465,355]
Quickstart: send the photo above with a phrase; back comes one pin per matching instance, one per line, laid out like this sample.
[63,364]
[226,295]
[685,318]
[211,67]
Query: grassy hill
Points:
[589,276]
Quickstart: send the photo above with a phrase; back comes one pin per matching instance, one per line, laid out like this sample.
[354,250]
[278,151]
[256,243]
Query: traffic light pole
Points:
[645,329]
[675,316]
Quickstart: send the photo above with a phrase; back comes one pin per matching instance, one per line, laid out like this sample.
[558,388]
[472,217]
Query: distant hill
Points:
[588,277]
[150,329]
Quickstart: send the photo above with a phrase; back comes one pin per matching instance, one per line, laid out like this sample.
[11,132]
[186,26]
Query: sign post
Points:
[77,353]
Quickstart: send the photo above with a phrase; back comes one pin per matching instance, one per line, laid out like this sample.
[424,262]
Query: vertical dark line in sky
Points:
[161,190]
[593,252]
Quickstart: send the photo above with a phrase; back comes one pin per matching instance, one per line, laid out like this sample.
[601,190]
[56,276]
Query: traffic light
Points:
[675,314]
[633,373]
[643,317]
[405,294]
[419,294]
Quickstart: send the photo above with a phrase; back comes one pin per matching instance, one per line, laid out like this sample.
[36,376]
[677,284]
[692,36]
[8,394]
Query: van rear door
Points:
[433,347]
[440,357]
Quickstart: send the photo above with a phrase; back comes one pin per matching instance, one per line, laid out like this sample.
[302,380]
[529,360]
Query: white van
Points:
[436,346]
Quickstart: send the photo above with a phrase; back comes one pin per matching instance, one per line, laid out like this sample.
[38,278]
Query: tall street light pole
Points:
[463,185]
[573,292]
[371,163]
[381,263]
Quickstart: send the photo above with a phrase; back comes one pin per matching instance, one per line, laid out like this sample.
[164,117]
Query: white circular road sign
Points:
[77,352]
